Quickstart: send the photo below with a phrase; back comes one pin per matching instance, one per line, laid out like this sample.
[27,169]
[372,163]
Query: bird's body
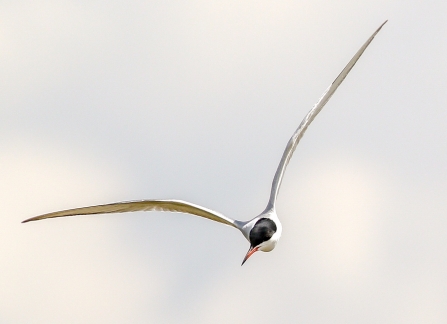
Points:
[264,231]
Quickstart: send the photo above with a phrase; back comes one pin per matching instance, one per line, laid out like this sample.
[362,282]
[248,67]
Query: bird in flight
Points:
[263,231]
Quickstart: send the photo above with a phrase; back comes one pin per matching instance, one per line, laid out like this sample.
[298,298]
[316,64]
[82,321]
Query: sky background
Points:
[105,101]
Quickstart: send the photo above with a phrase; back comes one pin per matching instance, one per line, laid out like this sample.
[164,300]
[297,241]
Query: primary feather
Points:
[295,139]
[177,206]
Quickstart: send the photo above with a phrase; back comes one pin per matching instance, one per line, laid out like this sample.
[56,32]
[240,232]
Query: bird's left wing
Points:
[294,140]
[177,206]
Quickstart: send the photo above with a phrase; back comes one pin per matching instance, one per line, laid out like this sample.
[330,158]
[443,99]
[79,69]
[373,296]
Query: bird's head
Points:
[263,236]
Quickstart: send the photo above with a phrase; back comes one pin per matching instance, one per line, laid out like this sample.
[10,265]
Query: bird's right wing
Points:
[294,140]
[177,206]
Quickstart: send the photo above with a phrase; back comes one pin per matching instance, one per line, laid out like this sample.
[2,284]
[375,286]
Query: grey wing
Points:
[177,206]
[294,140]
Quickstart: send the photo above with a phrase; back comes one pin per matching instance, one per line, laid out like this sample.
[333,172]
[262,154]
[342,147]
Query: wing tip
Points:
[32,219]
[380,27]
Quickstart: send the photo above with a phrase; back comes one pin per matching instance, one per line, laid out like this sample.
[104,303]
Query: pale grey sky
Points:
[106,101]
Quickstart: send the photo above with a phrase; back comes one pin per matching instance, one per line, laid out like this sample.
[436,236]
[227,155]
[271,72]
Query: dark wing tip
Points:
[30,219]
[380,27]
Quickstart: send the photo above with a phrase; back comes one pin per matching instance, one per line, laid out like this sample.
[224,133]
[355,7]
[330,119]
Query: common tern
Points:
[263,231]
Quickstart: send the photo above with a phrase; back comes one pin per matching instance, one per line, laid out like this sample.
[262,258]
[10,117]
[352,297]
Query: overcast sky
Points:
[105,101]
